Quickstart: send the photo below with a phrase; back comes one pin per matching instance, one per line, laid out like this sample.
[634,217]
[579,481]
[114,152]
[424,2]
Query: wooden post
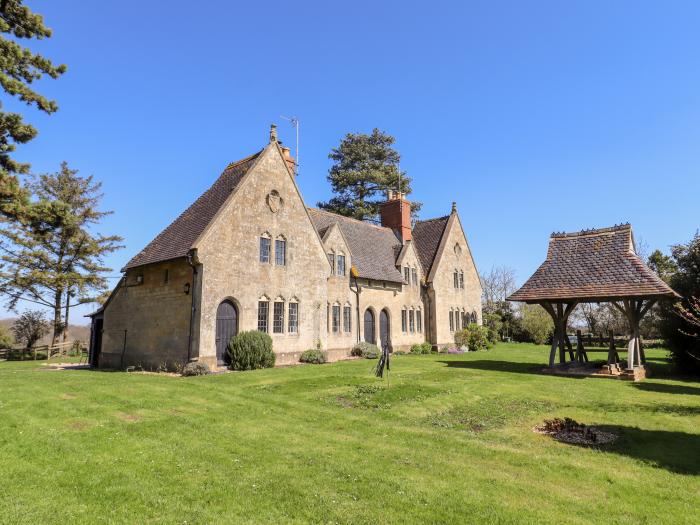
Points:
[613,356]
[634,310]
[581,355]
[560,313]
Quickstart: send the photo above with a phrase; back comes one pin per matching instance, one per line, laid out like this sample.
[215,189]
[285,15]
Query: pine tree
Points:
[58,265]
[19,68]
[365,167]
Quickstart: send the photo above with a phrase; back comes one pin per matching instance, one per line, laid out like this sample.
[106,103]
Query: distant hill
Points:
[75,333]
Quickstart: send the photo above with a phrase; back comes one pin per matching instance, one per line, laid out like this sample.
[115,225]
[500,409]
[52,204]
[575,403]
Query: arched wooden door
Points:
[369,326]
[384,329]
[226,328]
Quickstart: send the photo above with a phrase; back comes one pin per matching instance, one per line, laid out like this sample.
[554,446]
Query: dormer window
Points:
[331,260]
[341,265]
[406,275]
[414,276]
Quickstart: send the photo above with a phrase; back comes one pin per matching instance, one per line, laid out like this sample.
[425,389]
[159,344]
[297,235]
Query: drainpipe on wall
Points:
[354,273]
[192,261]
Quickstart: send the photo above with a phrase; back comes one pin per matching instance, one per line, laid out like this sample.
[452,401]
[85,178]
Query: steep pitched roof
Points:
[589,265]
[177,239]
[373,248]
[427,236]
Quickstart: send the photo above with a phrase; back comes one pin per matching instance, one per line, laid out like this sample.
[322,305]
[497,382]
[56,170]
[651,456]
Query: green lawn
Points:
[449,441]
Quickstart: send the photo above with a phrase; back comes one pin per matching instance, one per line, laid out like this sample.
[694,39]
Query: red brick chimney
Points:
[396,214]
[286,152]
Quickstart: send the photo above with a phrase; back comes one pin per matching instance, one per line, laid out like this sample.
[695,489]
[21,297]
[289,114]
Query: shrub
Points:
[250,351]
[195,369]
[313,356]
[30,327]
[474,337]
[417,349]
[426,348]
[537,323]
[366,350]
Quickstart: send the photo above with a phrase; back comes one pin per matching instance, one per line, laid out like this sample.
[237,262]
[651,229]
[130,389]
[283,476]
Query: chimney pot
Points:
[273,133]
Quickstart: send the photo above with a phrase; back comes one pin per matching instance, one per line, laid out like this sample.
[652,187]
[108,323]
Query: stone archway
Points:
[368,322]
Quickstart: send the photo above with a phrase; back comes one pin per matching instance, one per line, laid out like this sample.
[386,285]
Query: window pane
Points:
[456,279]
[347,319]
[419,321]
[293,318]
[414,275]
[331,259]
[461,279]
[278,318]
[280,252]
[264,250]
[336,318]
[403,320]
[411,322]
[263,307]
[406,275]
[452,326]
[341,264]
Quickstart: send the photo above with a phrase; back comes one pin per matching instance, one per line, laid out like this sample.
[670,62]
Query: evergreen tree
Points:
[59,265]
[19,68]
[365,167]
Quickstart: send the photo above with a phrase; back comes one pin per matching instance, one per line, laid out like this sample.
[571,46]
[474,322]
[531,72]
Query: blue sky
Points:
[534,116]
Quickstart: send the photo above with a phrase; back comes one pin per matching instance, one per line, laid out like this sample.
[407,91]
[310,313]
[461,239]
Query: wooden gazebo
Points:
[594,266]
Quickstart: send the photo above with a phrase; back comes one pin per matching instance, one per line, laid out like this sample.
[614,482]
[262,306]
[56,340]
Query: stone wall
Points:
[443,294]
[147,320]
[267,202]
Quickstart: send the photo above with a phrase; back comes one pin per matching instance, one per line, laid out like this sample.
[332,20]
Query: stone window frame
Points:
[265,256]
[264,314]
[406,275]
[293,326]
[281,240]
[474,318]
[331,260]
[411,320]
[404,320]
[347,318]
[341,269]
[335,318]
[455,279]
[278,317]
[461,279]
[419,320]
[452,322]
[457,249]
[414,276]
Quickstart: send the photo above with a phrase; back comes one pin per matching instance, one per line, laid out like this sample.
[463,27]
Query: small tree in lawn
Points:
[364,168]
[537,323]
[30,327]
[58,265]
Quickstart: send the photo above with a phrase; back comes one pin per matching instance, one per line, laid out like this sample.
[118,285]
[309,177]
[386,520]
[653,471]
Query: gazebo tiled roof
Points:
[592,265]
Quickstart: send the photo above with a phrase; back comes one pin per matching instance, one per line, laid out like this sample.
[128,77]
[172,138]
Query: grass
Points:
[449,441]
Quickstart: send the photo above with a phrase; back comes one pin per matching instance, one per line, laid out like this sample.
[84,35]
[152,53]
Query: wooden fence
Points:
[69,348]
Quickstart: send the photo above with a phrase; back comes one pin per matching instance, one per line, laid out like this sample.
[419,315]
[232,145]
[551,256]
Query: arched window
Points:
[265,246]
[455,277]
[263,313]
[452,321]
[458,249]
[404,320]
[293,316]
[280,251]
[419,321]
[335,318]
[341,264]
[461,279]
[473,317]
[411,320]
[347,318]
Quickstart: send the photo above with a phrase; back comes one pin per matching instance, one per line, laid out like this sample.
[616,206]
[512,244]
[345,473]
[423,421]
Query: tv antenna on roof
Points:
[294,121]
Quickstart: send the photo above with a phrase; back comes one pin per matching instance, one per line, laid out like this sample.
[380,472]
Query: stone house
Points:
[249,254]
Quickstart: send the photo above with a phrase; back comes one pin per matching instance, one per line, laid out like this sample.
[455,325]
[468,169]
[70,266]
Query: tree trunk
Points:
[65,328]
[56,316]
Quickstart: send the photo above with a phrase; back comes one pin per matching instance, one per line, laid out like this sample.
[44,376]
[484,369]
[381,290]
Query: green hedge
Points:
[313,356]
[250,351]
[366,350]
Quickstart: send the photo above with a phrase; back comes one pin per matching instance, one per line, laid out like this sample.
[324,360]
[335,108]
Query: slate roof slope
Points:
[427,236]
[592,264]
[372,247]
[177,239]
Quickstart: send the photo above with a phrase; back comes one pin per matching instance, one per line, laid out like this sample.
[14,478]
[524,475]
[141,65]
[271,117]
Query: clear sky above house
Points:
[533,116]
